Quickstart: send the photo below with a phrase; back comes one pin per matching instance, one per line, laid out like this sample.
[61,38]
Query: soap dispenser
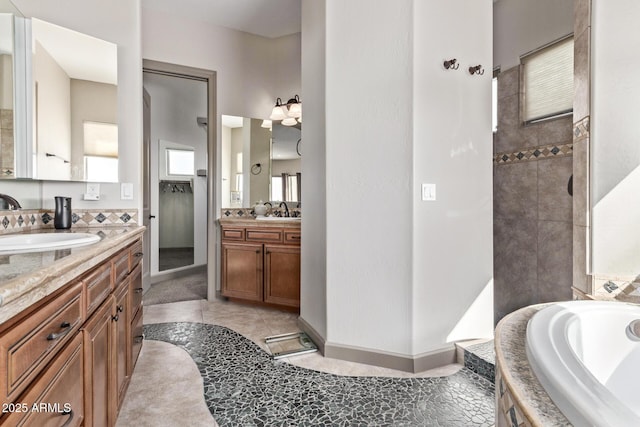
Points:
[62,218]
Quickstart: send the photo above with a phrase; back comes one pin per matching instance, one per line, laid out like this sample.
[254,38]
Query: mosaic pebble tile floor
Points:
[244,386]
[481,359]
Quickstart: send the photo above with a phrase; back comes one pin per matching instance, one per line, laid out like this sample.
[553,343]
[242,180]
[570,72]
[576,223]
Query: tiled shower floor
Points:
[244,386]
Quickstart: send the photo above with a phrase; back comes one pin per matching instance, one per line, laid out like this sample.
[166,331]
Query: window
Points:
[548,81]
[100,151]
[180,162]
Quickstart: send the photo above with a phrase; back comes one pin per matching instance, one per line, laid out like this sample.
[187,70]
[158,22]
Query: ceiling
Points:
[266,18]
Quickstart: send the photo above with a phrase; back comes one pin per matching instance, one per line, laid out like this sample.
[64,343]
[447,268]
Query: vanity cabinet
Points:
[67,359]
[261,265]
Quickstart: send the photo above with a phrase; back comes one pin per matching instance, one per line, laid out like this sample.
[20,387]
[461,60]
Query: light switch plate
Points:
[429,192]
[126,191]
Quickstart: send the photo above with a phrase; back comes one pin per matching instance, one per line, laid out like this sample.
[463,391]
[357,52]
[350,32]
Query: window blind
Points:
[548,81]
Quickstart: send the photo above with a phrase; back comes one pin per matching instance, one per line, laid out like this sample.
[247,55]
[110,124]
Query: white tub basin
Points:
[37,242]
[277,218]
[588,361]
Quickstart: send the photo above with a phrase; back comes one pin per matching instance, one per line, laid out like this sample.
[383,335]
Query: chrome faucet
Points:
[11,202]
[286,209]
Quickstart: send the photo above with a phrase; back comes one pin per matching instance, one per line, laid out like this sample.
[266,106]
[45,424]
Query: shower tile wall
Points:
[533,211]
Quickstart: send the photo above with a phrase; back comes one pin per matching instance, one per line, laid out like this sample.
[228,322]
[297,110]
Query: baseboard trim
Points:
[175,274]
[317,339]
[414,364]
[419,363]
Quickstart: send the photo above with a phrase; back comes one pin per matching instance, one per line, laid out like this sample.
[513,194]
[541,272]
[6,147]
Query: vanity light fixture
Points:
[290,113]
[279,112]
[267,124]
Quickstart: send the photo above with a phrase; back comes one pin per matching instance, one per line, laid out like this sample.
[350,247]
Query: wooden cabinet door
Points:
[282,275]
[98,373]
[55,397]
[122,329]
[242,271]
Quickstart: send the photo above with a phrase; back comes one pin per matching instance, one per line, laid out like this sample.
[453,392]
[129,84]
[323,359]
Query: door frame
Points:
[158,67]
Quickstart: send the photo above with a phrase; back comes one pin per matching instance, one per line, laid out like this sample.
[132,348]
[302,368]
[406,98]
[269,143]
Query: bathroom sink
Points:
[37,242]
[277,218]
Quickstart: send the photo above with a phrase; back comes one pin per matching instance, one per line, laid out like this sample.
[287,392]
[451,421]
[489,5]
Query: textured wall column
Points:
[581,165]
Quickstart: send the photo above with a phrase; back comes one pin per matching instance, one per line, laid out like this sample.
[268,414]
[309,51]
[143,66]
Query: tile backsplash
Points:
[249,212]
[32,219]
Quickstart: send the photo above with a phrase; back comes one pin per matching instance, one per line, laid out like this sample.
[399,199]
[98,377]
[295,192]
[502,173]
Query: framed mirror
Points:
[59,87]
[260,163]
[75,77]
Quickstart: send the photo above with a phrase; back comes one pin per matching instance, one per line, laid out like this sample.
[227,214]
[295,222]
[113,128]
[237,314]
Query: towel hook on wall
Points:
[476,70]
[451,64]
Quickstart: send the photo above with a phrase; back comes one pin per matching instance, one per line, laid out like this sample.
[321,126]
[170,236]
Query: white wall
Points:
[402,276]
[52,118]
[313,269]
[369,275]
[452,148]
[176,104]
[615,151]
[244,65]
[524,25]
[116,21]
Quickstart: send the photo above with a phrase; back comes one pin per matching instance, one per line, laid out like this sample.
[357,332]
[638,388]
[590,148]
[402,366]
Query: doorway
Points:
[180,148]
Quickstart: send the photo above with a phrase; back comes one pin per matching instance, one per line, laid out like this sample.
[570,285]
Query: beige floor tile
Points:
[165,390]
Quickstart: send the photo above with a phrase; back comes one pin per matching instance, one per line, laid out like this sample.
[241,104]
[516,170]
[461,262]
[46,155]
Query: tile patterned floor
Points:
[167,386]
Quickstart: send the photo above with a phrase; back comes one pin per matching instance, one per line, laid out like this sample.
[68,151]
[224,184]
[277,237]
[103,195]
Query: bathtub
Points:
[588,361]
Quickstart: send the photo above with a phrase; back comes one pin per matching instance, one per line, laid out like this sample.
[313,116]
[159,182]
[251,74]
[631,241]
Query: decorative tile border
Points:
[31,219]
[250,213]
[535,153]
[581,129]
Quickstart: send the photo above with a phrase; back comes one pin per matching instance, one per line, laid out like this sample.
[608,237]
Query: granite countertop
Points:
[28,277]
[531,397]
[252,222]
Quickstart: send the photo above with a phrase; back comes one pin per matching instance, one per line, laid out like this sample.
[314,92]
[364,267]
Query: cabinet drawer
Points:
[31,344]
[292,237]
[135,254]
[135,290]
[235,234]
[121,266]
[57,393]
[98,285]
[264,235]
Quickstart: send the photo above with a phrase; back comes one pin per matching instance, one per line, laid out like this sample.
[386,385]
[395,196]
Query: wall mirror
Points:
[75,77]
[67,128]
[8,14]
[260,163]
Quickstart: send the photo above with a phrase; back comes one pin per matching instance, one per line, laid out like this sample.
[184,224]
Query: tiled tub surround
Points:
[532,225]
[243,385]
[27,278]
[520,398]
[32,219]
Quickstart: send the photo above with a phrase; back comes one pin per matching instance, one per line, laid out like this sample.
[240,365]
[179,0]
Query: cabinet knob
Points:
[138,290]
[120,309]
[138,254]
[66,326]
[115,318]
[138,338]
